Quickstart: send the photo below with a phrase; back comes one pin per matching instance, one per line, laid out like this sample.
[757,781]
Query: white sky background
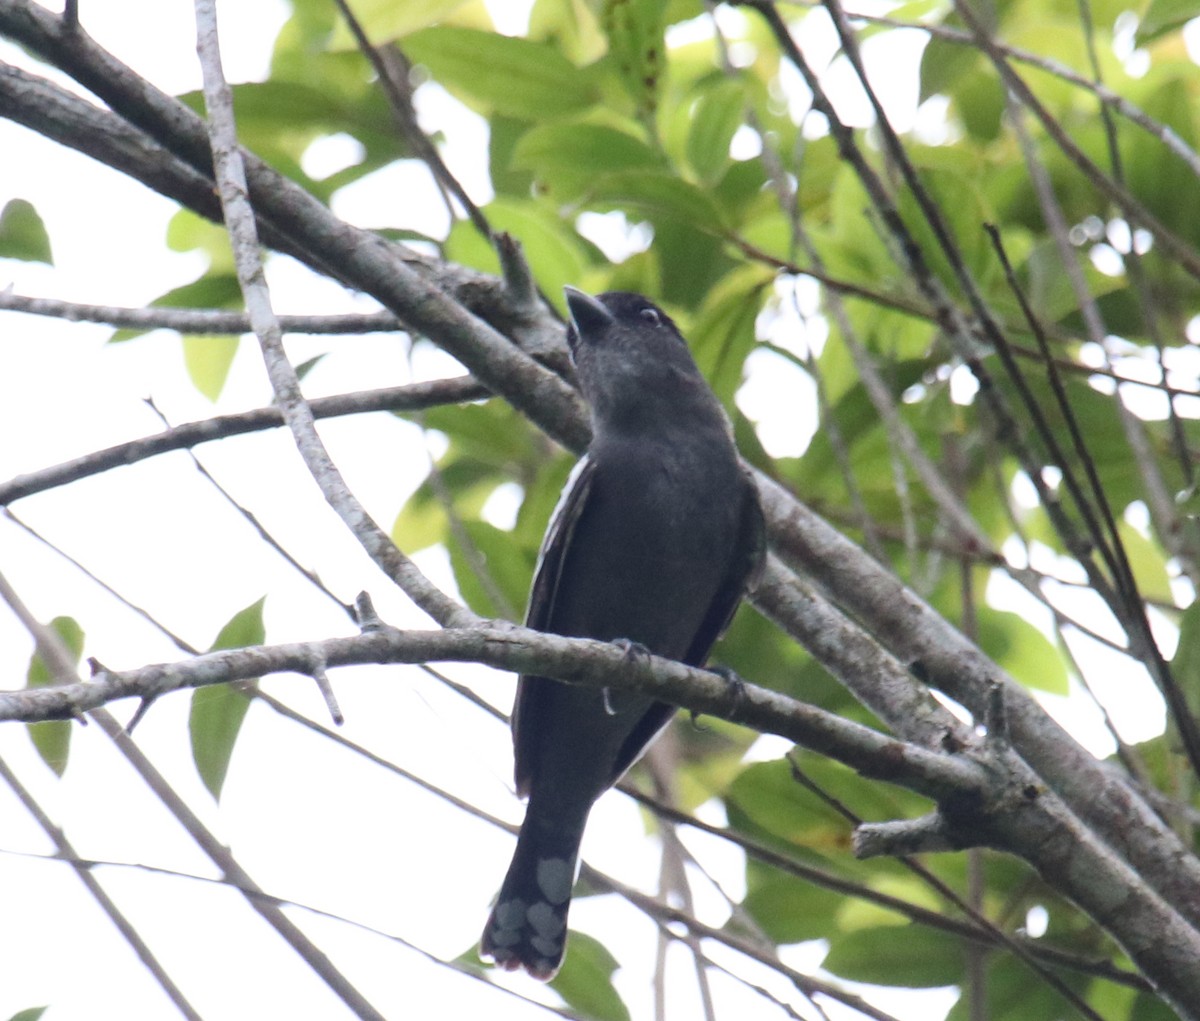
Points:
[306,820]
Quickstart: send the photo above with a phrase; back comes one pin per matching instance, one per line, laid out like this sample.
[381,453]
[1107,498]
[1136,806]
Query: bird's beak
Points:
[588,314]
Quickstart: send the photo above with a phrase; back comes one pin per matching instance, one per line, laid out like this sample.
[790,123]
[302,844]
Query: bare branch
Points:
[195,320]
[392,69]
[239,218]
[905,837]
[509,647]
[934,650]
[392,274]
[66,852]
[59,661]
[1183,253]
[412,397]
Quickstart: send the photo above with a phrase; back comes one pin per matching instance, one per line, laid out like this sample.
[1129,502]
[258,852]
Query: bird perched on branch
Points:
[656,538]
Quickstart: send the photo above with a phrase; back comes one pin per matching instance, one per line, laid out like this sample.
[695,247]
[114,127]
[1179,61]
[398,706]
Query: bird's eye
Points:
[651,316]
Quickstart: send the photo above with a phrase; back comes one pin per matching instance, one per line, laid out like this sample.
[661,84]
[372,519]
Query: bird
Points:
[656,538]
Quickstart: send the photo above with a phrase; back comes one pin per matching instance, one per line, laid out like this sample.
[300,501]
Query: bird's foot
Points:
[734,685]
[633,651]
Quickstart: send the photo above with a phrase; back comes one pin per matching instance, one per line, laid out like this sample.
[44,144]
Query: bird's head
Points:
[632,362]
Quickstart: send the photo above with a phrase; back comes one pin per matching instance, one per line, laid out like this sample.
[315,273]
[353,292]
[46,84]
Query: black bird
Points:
[657,536]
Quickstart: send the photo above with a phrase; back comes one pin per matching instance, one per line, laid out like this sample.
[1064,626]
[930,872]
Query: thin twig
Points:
[663,914]
[393,79]
[85,865]
[673,816]
[1131,611]
[936,884]
[1108,98]
[204,321]
[65,852]
[394,275]
[1184,254]
[412,397]
[239,218]
[62,668]
[308,574]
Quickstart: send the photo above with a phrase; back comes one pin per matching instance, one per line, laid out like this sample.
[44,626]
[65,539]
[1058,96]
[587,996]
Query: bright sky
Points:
[309,822]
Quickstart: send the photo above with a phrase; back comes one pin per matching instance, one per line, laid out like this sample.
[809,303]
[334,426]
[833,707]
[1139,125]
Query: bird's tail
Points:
[528,926]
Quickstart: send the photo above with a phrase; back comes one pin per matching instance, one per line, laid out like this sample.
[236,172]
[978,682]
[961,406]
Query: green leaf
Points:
[495,569]
[52,738]
[541,495]
[1022,650]
[490,431]
[191,232]
[717,114]
[213,290]
[422,520]
[964,209]
[1050,289]
[502,74]
[658,194]
[279,119]
[566,158]
[29,1014]
[1148,1007]
[22,233]
[385,20]
[636,47]
[910,956]
[1185,666]
[791,910]
[860,427]
[724,333]
[1148,562]
[769,801]
[208,359]
[960,73]
[306,366]
[1163,16]
[508,179]
[585,981]
[1156,175]
[855,913]
[944,64]
[420,524]
[850,245]
[217,710]
[1009,995]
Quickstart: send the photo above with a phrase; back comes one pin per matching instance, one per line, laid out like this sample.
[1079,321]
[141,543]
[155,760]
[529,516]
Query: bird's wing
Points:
[744,566]
[546,576]
[742,574]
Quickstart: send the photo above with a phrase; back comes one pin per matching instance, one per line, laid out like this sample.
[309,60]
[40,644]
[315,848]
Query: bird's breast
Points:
[653,546]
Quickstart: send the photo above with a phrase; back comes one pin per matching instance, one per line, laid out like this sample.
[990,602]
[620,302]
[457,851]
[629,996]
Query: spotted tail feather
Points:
[528,926]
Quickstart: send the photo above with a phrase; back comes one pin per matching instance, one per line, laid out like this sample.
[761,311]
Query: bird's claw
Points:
[734,684]
[631,649]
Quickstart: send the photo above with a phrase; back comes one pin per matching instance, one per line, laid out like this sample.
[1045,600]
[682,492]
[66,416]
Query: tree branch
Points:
[65,852]
[509,647]
[62,668]
[195,320]
[1183,253]
[411,397]
[995,799]
[937,652]
[390,273]
[239,219]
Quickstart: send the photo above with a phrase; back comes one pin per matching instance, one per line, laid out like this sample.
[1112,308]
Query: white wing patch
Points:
[556,516]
